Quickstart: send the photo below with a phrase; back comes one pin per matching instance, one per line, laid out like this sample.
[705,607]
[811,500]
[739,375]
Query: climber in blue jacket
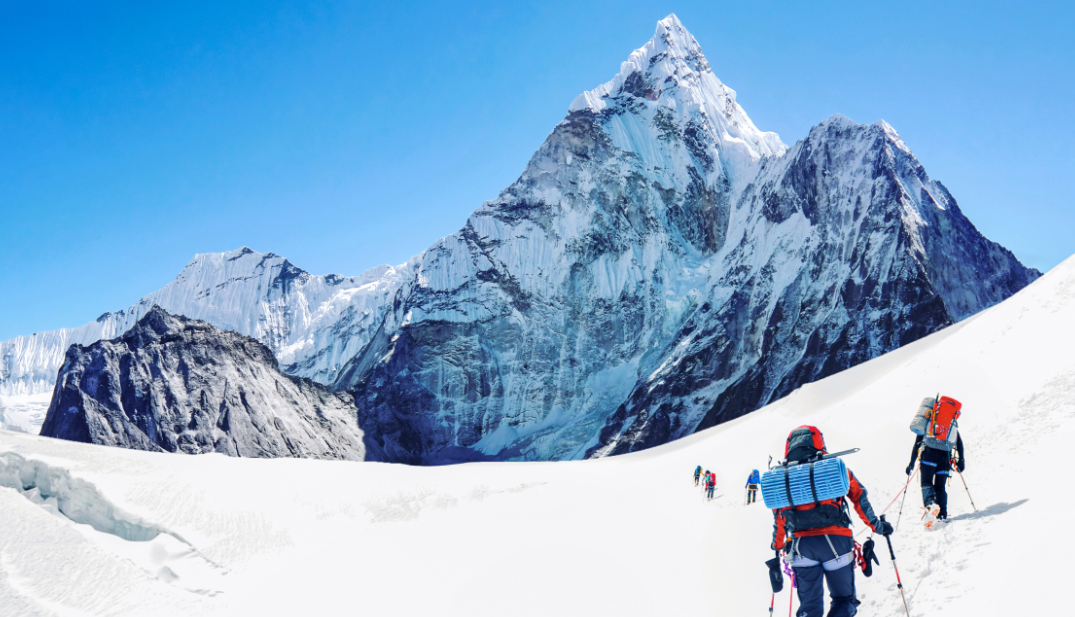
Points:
[752,486]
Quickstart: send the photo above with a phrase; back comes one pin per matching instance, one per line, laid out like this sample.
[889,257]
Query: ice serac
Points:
[180,385]
[841,250]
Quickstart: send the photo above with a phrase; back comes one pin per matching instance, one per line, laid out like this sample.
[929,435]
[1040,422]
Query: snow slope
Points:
[629,535]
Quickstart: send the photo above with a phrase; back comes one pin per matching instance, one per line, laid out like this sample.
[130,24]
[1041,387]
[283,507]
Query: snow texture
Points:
[627,535]
[659,267]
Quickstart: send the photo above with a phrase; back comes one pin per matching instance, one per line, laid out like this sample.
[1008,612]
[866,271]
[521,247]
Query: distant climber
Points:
[697,474]
[816,537]
[710,484]
[937,447]
[752,486]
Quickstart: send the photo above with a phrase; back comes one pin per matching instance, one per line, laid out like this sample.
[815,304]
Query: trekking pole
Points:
[791,591]
[900,516]
[899,583]
[791,594]
[967,489]
[771,604]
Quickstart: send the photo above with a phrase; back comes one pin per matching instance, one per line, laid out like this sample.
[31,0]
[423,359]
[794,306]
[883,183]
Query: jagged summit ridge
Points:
[671,72]
[653,270]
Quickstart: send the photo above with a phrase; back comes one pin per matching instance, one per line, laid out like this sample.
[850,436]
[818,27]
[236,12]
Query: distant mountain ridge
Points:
[258,294]
[180,385]
[660,266]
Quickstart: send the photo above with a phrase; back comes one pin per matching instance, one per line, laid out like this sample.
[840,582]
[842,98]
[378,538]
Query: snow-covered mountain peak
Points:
[670,72]
[867,133]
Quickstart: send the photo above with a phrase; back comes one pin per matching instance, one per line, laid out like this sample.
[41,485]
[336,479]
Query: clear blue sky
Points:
[345,135]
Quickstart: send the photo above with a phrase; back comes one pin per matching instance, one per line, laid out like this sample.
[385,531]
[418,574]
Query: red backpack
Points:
[803,442]
[941,417]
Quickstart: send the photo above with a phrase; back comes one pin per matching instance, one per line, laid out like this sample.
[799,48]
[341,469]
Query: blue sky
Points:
[345,135]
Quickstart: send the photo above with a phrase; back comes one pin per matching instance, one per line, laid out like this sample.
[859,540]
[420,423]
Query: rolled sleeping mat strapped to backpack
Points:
[920,422]
[806,483]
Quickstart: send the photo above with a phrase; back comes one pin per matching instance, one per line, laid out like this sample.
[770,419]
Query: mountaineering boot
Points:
[929,518]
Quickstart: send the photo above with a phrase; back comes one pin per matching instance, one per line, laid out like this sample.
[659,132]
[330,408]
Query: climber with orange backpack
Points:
[816,534]
[937,447]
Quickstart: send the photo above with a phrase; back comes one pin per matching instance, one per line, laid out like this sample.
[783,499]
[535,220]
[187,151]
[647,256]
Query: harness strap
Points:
[827,539]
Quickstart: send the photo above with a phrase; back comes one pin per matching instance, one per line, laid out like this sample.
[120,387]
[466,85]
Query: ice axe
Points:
[899,583]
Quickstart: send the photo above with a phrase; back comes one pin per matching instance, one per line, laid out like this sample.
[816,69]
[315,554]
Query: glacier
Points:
[660,266]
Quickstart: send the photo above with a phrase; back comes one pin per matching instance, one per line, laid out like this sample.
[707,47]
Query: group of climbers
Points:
[812,531]
[708,480]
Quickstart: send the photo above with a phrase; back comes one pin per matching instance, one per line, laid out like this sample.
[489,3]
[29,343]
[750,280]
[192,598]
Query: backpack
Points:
[803,443]
[943,416]
[936,421]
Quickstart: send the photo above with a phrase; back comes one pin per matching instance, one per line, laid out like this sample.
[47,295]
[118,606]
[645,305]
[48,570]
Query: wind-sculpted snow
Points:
[180,385]
[661,265]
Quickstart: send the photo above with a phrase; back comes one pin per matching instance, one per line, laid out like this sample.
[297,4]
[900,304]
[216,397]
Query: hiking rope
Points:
[902,491]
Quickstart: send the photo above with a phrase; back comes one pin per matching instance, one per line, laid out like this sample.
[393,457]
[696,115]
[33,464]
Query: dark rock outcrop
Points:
[180,385]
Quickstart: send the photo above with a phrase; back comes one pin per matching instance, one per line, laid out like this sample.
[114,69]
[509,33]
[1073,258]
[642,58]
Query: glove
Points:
[910,468]
[885,528]
[867,556]
[776,577]
[961,465]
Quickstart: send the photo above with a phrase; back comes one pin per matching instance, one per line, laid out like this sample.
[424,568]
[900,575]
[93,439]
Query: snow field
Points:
[627,535]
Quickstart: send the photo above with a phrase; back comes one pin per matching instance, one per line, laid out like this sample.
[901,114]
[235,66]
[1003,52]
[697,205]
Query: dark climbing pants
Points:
[840,578]
[752,495]
[935,468]
[710,491]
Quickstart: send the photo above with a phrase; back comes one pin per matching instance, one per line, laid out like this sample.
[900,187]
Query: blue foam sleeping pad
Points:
[830,481]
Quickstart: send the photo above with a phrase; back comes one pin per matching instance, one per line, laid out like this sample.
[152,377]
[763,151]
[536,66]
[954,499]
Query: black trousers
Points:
[841,581]
[935,467]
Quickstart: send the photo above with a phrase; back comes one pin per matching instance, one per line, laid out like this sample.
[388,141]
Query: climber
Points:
[752,486]
[816,537]
[937,449]
[697,474]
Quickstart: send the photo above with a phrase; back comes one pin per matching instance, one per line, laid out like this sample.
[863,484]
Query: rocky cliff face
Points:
[180,385]
[844,250]
[660,266]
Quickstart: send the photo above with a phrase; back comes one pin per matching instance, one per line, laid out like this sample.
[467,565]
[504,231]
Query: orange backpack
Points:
[941,417]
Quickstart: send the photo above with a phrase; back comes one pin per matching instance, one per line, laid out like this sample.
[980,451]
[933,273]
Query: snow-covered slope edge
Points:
[179,385]
[308,536]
